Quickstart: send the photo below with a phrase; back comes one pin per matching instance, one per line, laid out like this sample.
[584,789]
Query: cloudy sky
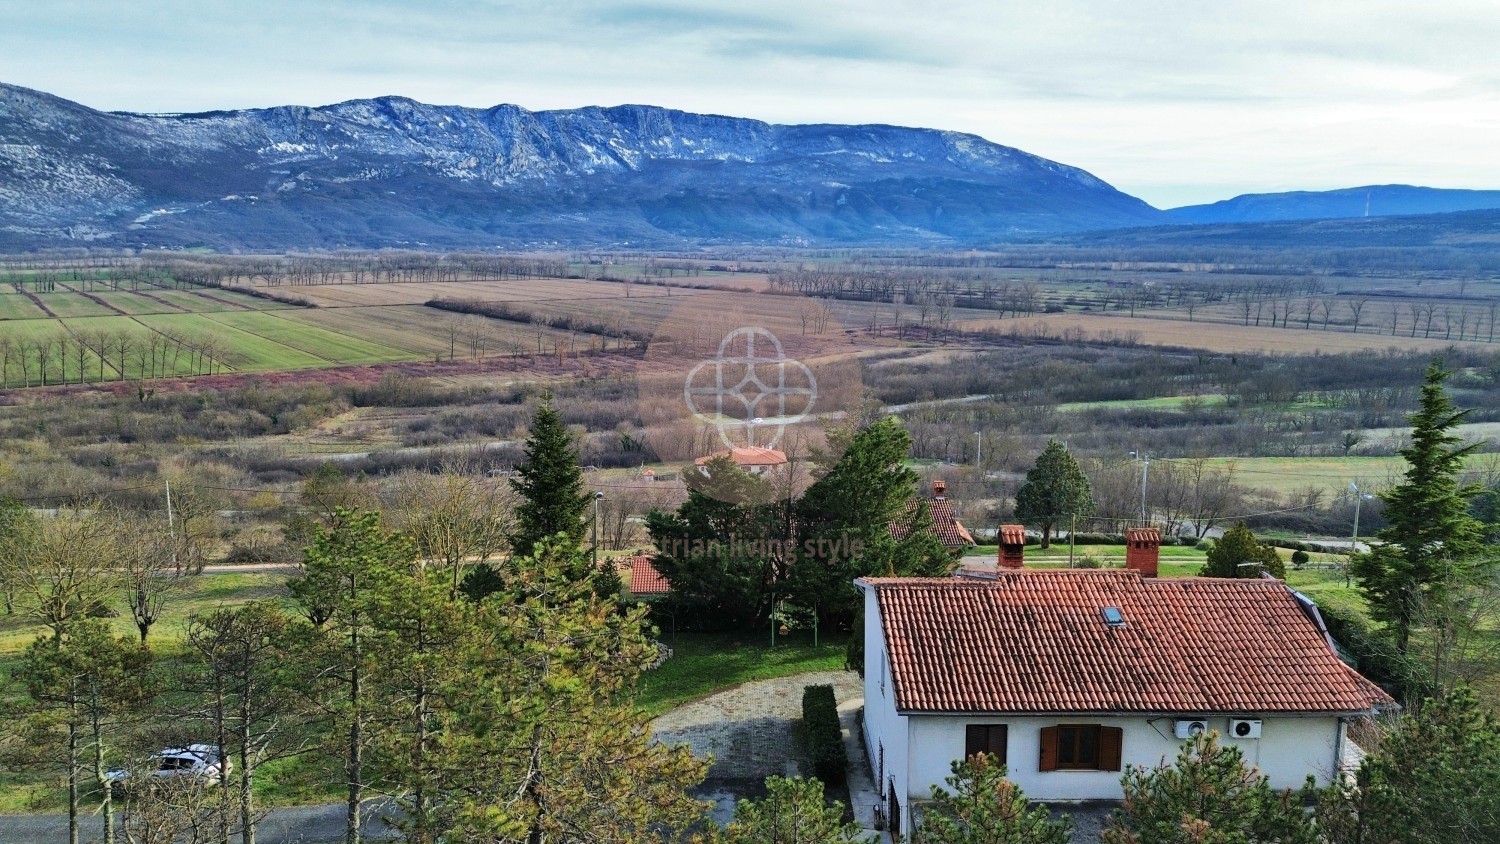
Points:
[1175,101]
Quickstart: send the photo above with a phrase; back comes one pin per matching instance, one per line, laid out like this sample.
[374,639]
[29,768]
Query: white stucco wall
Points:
[883,726]
[1289,749]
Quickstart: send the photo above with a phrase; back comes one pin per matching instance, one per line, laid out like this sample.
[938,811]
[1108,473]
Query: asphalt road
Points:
[297,825]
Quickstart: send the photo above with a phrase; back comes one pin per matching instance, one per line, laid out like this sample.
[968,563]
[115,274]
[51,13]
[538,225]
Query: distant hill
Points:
[392,172]
[1368,201]
[1479,230]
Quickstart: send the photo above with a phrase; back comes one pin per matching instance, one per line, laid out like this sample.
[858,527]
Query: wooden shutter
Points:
[986,738]
[999,734]
[1111,746]
[1048,761]
[976,736]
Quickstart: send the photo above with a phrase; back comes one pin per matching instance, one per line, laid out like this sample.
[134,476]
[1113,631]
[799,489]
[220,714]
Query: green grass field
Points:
[329,345]
[15,306]
[704,663]
[1162,403]
[1330,474]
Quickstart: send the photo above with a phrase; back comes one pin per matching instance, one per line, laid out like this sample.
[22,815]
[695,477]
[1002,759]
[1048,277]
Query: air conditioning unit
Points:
[1188,729]
[1244,728]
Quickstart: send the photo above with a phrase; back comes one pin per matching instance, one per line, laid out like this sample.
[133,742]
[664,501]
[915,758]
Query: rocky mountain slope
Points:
[395,172]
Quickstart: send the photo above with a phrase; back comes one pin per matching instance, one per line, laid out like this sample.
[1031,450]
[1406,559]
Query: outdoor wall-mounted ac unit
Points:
[1244,728]
[1188,729]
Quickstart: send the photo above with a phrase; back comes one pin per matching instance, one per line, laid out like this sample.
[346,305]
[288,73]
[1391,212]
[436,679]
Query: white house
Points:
[1068,676]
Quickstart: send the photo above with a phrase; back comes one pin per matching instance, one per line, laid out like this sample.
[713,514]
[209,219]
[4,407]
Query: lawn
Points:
[65,303]
[704,663]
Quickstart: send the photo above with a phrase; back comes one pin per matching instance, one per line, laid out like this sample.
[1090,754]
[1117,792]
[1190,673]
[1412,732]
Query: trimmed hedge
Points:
[824,736]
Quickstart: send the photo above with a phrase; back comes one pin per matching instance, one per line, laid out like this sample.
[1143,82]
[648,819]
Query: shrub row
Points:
[1295,545]
[1082,538]
[1374,655]
[824,736]
[563,322]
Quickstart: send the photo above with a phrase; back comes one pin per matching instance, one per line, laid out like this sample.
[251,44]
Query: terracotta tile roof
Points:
[1012,534]
[747,456]
[945,525]
[1036,641]
[641,576]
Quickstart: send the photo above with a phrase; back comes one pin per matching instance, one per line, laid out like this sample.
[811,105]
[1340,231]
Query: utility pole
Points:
[979,452]
[1354,538]
[1145,467]
[597,496]
[171,531]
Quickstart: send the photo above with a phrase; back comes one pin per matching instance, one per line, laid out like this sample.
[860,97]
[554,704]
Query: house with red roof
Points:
[753,459]
[640,577]
[945,524]
[1069,676]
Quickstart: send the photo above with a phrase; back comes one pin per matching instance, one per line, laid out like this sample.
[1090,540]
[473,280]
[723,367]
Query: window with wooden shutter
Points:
[985,738]
[1081,747]
[1048,761]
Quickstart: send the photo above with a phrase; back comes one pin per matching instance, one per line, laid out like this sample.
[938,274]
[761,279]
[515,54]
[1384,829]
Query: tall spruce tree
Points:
[1431,546]
[844,524]
[550,483]
[1055,491]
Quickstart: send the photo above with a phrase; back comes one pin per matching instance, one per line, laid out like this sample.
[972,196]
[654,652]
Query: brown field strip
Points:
[1210,336]
[512,290]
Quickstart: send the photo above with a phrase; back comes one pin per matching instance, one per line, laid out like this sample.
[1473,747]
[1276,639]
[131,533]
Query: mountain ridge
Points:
[391,171]
[1393,200]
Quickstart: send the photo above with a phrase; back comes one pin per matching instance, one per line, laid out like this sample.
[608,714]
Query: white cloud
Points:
[1174,100]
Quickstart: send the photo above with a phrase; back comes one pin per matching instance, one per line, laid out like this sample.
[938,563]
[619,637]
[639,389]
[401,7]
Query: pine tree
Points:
[1238,554]
[1055,491]
[1435,778]
[534,734]
[82,684]
[1431,545]
[986,808]
[1210,795]
[346,570]
[550,483]
[794,810]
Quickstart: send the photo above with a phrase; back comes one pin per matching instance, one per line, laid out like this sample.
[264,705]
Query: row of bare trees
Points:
[87,356]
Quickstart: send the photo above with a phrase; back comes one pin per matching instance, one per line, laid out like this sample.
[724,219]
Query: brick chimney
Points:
[939,489]
[1012,546]
[1143,550]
